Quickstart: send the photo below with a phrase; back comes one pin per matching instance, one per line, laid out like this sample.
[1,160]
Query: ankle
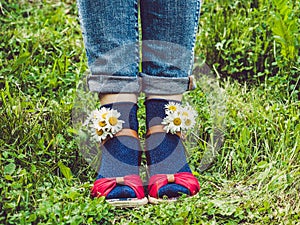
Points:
[166,97]
[128,111]
[113,98]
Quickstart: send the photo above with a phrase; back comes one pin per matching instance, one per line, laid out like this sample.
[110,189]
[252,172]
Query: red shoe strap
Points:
[184,179]
[103,186]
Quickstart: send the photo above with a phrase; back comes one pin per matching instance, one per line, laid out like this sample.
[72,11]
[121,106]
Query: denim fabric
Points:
[110,31]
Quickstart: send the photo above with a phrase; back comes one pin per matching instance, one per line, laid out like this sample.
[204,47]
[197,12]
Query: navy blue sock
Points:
[121,155]
[165,152]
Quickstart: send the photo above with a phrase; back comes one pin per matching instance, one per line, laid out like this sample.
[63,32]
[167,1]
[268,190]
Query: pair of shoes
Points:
[118,179]
[103,186]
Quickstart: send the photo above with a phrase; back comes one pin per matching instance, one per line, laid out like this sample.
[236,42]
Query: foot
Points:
[165,154]
[118,177]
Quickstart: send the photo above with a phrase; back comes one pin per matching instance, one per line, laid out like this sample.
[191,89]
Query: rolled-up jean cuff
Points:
[113,84]
[166,85]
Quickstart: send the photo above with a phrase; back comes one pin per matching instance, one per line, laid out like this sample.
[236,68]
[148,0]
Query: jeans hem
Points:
[113,84]
[166,85]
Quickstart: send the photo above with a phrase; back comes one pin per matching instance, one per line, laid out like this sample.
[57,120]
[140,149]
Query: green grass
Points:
[255,178]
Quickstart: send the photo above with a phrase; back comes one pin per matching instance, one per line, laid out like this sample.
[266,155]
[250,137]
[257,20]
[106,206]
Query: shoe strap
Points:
[103,186]
[185,179]
[158,129]
[124,132]
[127,132]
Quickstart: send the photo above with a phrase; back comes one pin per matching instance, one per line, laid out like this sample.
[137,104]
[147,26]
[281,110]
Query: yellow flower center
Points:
[104,115]
[185,114]
[172,107]
[113,121]
[177,121]
[188,122]
[99,132]
[102,123]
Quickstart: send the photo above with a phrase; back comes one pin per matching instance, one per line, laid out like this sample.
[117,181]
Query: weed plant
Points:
[256,41]
[255,178]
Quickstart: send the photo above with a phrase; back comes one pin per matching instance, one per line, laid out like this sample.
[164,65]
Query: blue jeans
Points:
[159,61]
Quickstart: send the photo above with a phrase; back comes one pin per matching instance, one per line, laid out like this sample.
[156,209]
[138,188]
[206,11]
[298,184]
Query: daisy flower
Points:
[99,135]
[100,125]
[173,122]
[98,118]
[99,114]
[93,116]
[189,117]
[178,118]
[172,107]
[112,121]
[103,123]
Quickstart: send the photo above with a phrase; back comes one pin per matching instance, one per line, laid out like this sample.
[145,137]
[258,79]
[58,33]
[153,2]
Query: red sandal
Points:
[104,185]
[184,179]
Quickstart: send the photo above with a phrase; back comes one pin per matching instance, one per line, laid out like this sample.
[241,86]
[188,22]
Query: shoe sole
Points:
[153,200]
[128,203]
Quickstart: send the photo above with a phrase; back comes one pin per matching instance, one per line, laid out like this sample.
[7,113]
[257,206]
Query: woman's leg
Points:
[110,30]
[168,32]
